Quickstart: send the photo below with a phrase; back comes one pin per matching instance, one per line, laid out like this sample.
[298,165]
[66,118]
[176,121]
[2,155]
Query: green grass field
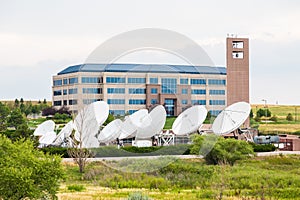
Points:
[255,178]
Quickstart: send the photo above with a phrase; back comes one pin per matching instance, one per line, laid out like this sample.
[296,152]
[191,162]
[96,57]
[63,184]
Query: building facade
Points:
[130,87]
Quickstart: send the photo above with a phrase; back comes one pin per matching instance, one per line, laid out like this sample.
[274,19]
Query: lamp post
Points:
[265,109]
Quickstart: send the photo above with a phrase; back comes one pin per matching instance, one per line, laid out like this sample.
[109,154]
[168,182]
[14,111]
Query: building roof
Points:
[144,68]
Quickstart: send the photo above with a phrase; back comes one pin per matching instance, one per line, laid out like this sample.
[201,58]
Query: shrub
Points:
[274,118]
[289,117]
[26,172]
[61,151]
[137,196]
[263,147]
[77,188]
[263,113]
[228,151]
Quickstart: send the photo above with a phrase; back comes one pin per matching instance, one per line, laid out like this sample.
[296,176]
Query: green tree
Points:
[290,117]
[26,172]
[17,103]
[45,101]
[251,114]
[263,113]
[16,118]
[4,112]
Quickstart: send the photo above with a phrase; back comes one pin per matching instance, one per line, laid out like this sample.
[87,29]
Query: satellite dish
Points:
[88,121]
[44,128]
[131,123]
[111,131]
[65,132]
[190,120]
[48,138]
[231,118]
[154,123]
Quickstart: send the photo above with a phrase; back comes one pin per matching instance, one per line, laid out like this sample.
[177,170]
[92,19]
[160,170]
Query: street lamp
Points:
[265,109]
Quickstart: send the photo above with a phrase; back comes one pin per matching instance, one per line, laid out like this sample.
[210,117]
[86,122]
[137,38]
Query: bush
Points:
[274,118]
[228,151]
[263,147]
[26,172]
[77,188]
[137,196]
[61,151]
[263,113]
[289,117]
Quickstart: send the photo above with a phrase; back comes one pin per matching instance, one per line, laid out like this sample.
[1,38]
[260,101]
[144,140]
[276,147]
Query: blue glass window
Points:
[198,91]
[73,91]
[136,80]
[57,82]
[115,80]
[65,81]
[198,82]
[215,112]
[131,111]
[91,90]
[137,91]
[72,102]
[184,101]
[57,93]
[184,81]
[65,102]
[216,82]
[116,101]
[153,90]
[57,103]
[217,92]
[73,80]
[65,92]
[217,102]
[137,101]
[116,90]
[117,112]
[184,91]
[153,80]
[90,80]
[154,101]
[199,102]
[168,85]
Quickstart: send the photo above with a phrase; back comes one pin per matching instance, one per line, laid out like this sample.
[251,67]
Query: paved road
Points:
[181,156]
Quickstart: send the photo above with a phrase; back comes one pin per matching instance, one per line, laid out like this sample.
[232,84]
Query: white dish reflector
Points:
[44,128]
[111,131]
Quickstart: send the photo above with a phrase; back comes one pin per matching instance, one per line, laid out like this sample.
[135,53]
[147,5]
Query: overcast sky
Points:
[40,38]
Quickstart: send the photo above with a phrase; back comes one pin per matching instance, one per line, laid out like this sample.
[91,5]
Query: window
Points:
[57,103]
[238,54]
[73,80]
[184,101]
[136,80]
[90,80]
[238,44]
[73,91]
[57,82]
[115,80]
[199,91]
[65,102]
[217,92]
[198,82]
[116,90]
[65,92]
[137,91]
[89,101]
[131,111]
[154,101]
[216,82]
[153,90]
[117,112]
[217,102]
[137,101]
[153,80]
[184,91]
[169,86]
[215,112]
[116,101]
[65,81]
[199,102]
[57,93]
[184,81]
[72,102]
[92,90]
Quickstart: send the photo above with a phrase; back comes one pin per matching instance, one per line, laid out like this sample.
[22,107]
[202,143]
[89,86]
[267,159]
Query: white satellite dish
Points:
[48,138]
[44,128]
[132,122]
[65,132]
[111,131]
[154,123]
[189,120]
[88,121]
[231,118]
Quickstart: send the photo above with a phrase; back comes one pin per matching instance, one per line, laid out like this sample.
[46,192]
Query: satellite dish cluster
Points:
[85,128]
